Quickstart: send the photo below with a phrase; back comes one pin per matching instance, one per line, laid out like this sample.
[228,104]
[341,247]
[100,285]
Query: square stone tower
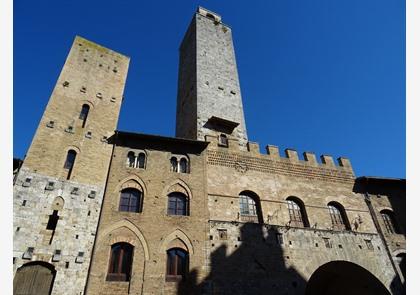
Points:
[209,96]
[59,189]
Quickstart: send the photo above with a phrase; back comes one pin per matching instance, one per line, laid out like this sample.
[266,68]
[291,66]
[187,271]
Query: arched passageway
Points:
[344,278]
[34,278]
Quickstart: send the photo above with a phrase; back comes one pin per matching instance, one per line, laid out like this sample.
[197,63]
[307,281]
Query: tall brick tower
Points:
[59,189]
[209,96]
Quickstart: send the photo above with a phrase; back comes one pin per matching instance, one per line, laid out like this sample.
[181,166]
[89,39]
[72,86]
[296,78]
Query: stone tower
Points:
[209,96]
[59,189]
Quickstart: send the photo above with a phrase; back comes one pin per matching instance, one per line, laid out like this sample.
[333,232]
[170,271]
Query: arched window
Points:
[84,114]
[174,164]
[249,207]
[131,200]
[177,204]
[69,163]
[177,264]
[389,221]
[297,213]
[120,262]
[131,159]
[338,216]
[179,163]
[183,165]
[141,160]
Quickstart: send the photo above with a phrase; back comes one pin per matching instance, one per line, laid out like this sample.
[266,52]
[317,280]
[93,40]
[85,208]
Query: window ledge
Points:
[170,278]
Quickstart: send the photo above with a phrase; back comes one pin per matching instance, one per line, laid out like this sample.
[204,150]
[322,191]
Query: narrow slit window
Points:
[84,114]
[52,220]
[69,163]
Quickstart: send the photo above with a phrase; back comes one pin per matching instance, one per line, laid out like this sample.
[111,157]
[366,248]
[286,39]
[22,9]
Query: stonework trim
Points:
[285,202]
[397,252]
[177,185]
[129,225]
[125,183]
[176,235]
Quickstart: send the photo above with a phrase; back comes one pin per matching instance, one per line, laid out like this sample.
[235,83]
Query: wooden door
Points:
[33,279]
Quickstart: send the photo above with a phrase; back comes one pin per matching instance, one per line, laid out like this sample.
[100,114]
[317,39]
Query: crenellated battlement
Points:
[273,162]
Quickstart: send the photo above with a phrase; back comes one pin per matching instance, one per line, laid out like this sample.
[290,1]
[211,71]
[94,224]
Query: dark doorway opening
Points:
[344,278]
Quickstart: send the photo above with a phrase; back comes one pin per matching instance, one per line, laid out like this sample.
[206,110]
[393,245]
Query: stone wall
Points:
[75,232]
[273,179]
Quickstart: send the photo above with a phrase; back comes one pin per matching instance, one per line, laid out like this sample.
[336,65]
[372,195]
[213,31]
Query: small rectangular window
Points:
[80,257]
[49,186]
[222,234]
[327,242]
[50,124]
[28,253]
[27,182]
[279,237]
[369,244]
[57,256]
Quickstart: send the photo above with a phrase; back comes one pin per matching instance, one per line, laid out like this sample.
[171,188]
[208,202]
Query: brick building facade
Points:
[98,211]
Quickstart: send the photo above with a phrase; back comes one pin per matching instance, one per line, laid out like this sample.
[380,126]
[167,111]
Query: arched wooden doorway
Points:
[344,278]
[34,278]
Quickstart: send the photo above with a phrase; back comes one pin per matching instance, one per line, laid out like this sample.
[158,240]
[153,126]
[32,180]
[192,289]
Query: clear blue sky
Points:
[321,76]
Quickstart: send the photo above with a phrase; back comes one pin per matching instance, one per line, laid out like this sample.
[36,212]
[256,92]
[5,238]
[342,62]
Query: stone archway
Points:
[34,278]
[344,278]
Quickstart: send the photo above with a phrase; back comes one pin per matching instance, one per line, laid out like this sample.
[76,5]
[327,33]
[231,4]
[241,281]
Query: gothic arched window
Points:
[389,221]
[131,200]
[177,204]
[120,262]
[177,264]
[297,213]
[338,216]
[69,163]
[84,114]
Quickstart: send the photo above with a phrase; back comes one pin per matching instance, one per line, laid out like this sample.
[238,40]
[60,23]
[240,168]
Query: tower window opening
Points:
[223,140]
[69,163]
[52,220]
[84,114]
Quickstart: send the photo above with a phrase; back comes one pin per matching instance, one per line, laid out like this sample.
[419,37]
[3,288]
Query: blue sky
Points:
[321,76]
